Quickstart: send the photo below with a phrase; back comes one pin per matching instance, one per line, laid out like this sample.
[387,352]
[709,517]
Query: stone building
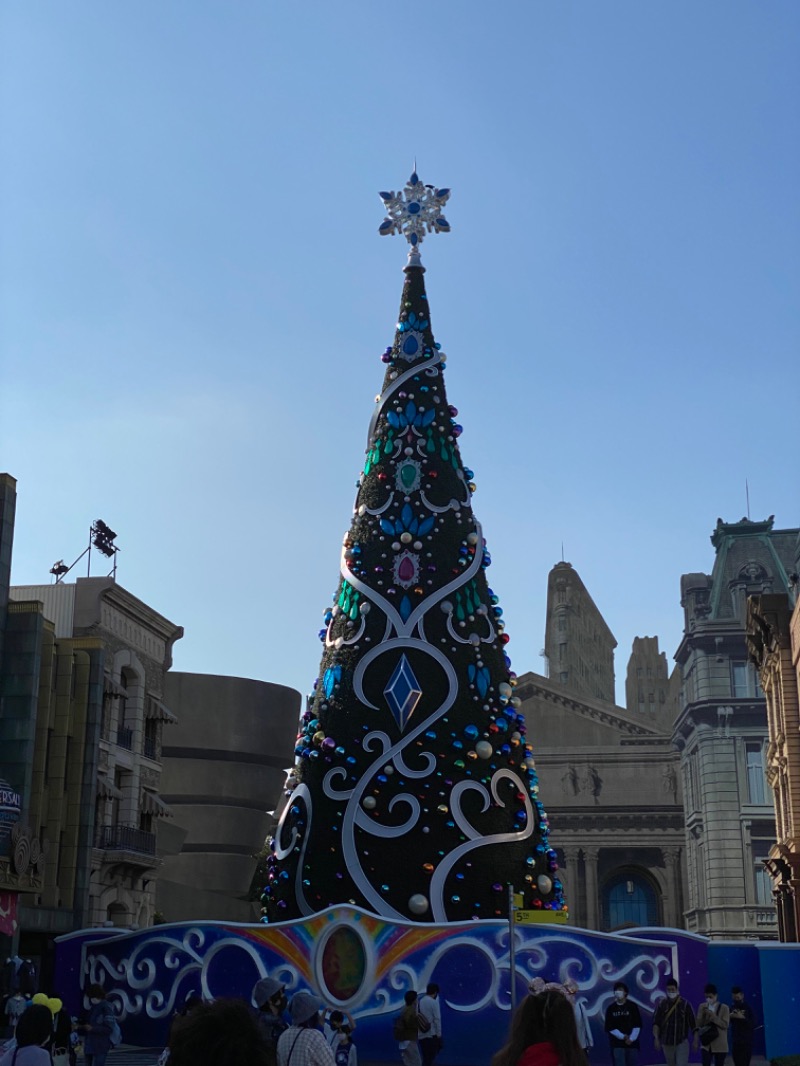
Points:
[773,637]
[225,765]
[578,645]
[133,646]
[49,706]
[608,775]
[649,688]
[721,732]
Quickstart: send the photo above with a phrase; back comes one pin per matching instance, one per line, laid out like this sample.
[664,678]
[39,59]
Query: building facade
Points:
[134,652]
[225,765]
[609,775]
[579,646]
[610,784]
[721,732]
[773,637]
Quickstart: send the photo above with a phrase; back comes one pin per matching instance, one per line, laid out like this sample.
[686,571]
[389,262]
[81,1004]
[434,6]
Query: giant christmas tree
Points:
[415,791]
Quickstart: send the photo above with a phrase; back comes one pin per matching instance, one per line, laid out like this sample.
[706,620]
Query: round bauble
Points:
[418,904]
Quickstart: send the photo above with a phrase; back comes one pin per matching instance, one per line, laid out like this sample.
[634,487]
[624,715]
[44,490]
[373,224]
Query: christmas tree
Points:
[415,792]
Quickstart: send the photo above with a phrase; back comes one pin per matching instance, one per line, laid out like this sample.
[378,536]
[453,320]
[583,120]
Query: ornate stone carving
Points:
[23,869]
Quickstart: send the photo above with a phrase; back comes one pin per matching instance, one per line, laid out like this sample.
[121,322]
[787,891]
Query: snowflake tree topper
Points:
[415,211]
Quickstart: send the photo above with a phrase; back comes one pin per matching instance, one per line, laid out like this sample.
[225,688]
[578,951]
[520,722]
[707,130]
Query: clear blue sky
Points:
[195,297]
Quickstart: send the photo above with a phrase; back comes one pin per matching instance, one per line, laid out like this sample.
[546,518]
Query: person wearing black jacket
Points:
[623,1025]
[743,1022]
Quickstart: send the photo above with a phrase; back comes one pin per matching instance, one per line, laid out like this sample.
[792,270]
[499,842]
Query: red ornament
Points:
[504,638]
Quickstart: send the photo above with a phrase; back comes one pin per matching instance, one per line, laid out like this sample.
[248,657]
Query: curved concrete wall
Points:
[224,767]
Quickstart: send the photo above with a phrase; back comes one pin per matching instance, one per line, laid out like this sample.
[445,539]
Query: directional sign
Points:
[540,917]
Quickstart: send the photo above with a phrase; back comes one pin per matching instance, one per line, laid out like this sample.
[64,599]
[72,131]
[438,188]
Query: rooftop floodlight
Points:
[59,569]
[103,538]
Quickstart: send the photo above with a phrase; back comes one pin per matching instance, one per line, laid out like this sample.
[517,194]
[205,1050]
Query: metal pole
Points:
[512,949]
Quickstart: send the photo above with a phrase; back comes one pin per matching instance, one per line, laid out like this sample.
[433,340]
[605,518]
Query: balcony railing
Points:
[126,838]
[125,738]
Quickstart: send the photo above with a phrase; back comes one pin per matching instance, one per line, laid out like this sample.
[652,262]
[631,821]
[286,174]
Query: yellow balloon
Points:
[40,999]
[55,1005]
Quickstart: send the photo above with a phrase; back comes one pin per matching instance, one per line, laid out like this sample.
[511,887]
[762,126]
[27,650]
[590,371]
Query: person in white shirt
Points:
[430,1039]
[334,1027]
[581,1017]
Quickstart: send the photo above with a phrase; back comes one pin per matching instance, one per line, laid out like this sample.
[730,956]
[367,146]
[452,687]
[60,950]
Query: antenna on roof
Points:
[747,495]
[562,551]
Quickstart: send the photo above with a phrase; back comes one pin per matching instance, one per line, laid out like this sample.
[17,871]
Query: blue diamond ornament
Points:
[403,692]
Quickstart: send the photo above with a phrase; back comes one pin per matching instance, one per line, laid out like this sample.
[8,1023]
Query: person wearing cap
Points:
[303,1044]
[334,1026]
[269,996]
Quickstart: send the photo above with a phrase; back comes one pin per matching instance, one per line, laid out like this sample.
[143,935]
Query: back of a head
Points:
[223,1033]
[544,1018]
[34,1026]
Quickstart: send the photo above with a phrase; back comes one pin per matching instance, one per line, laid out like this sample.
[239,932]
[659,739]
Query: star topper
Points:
[415,211]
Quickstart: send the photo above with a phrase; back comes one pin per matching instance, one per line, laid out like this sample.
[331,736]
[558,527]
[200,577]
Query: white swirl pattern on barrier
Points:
[149,973]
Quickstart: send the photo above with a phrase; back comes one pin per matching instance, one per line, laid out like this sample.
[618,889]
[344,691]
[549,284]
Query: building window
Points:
[150,739]
[763,885]
[756,781]
[629,900]
[740,680]
[695,779]
[47,754]
[562,623]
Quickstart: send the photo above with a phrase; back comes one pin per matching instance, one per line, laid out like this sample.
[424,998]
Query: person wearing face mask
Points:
[269,996]
[623,1025]
[673,1024]
[713,1019]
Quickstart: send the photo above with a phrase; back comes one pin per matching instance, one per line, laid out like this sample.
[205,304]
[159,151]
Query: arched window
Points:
[629,899]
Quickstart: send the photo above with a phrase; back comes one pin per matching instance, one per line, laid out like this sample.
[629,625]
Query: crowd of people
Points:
[550,1028]
[42,1032]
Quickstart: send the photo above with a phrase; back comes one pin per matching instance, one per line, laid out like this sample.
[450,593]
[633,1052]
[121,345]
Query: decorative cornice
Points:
[639,822]
[533,685]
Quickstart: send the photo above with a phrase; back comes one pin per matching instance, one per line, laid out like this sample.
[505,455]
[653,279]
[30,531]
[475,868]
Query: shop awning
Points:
[153,804]
[114,687]
[107,789]
[154,708]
